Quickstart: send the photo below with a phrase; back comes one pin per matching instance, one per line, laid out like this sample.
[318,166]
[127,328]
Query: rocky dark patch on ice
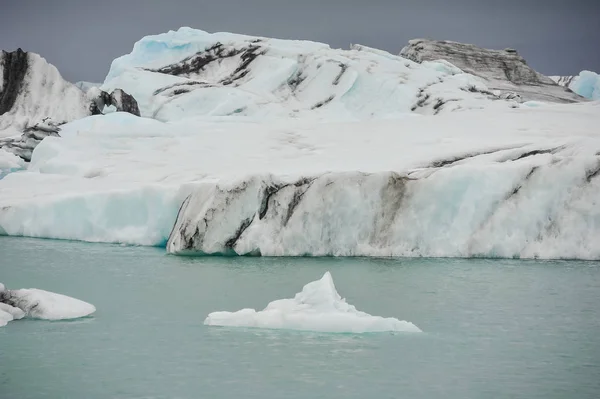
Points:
[324,102]
[14,67]
[198,63]
[564,81]
[122,101]
[24,145]
[502,70]
[31,89]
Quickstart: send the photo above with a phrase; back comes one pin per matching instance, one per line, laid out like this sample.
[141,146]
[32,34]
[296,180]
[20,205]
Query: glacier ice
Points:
[9,163]
[35,100]
[190,73]
[586,84]
[252,145]
[528,204]
[318,307]
[511,183]
[40,304]
[39,92]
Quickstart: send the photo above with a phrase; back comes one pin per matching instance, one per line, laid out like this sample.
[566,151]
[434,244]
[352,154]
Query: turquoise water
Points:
[492,328]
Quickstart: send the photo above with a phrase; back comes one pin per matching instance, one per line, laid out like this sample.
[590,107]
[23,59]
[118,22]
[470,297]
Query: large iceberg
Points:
[318,307]
[40,304]
[516,183]
[237,152]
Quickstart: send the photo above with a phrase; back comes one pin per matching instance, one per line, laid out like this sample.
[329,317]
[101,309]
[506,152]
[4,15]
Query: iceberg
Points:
[318,307]
[586,84]
[40,304]
[512,183]
[250,145]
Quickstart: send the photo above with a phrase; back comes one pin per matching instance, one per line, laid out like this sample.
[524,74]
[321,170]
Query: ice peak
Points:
[319,293]
[317,308]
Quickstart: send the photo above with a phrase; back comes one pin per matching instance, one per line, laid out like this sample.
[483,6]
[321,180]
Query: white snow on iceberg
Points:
[318,307]
[9,163]
[40,304]
[190,73]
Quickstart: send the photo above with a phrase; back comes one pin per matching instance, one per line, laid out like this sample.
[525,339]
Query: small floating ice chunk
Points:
[40,304]
[14,312]
[318,307]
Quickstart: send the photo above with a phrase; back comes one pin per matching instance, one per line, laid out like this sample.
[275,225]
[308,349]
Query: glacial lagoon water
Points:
[492,328]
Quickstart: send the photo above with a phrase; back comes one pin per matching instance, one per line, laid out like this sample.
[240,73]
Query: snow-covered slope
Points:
[586,84]
[31,89]
[188,73]
[503,70]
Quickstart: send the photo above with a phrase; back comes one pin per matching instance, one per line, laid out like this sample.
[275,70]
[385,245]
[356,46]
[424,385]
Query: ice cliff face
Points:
[503,70]
[525,202]
[190,73]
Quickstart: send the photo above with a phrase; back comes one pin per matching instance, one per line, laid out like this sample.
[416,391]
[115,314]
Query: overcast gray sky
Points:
[82,37]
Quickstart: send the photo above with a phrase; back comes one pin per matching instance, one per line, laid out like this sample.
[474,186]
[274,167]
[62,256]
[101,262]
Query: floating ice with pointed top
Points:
[318,307]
